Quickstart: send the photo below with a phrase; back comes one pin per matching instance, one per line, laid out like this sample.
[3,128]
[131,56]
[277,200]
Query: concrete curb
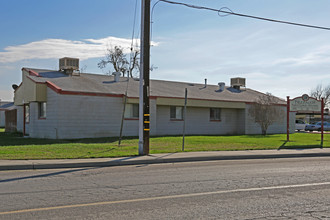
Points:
[143,160]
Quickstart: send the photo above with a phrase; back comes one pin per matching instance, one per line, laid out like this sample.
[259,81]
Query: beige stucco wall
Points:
[30,91]
[200,103]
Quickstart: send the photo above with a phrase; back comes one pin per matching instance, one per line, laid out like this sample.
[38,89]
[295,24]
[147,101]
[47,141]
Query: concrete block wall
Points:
[131,127]
[278,127]
[198,122]
[88,116]
[2,119]
[45,127]
[76,116]
[240,117]
[20,118]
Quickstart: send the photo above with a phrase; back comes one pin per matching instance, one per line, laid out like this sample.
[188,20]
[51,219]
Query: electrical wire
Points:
[128,76]
[221,9]
[132,40]
[152,12]
[230,12]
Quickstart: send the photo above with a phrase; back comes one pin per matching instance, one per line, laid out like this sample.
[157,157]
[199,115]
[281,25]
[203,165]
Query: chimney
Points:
[205,82]
[221,86]
[117,76]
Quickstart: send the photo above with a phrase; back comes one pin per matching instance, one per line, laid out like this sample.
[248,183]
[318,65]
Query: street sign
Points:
[305,104]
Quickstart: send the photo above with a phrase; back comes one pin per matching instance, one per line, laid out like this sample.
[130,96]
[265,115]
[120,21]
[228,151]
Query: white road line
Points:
[165,197]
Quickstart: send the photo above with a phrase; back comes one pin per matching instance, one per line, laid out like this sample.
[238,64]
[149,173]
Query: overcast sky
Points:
[189,45]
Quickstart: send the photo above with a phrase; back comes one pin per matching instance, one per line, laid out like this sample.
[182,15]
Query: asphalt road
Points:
[240,189]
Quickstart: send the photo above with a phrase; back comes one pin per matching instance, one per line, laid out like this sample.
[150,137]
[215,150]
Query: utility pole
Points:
[184,117]
[144,104]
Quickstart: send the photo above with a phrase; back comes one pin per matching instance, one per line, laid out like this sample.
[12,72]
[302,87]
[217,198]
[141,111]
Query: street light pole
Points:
[144,104]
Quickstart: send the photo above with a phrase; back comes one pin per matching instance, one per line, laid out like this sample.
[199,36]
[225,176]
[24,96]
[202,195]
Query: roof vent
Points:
[237,82]
[69,65]
[221,86]
[117,76]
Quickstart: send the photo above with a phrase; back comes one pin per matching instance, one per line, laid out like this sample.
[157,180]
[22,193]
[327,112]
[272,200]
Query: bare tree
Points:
[320,92]
[266,111]
[83,69]
[135,63]
[117,58]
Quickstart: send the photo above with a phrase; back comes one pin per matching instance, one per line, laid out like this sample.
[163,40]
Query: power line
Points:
[128,75]
[152,13]
[133,32]
[230,12]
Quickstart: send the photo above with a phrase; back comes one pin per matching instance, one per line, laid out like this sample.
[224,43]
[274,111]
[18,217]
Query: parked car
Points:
[317,126]
[300,125]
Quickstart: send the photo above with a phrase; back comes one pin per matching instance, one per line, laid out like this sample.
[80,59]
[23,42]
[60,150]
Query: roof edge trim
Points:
[59,90]
[31,72]
[53,86]
[275,104]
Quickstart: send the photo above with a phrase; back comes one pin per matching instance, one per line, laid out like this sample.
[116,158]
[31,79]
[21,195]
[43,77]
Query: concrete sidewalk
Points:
[162,158]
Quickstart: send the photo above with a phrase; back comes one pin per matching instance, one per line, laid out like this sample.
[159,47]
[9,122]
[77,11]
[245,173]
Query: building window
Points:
[132,111]
[215,114]
[42,109]
[176,112]
[27,113]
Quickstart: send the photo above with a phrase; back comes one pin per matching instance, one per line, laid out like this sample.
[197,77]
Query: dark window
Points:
[132,111]
[176,112]
[42,109]
[215,114]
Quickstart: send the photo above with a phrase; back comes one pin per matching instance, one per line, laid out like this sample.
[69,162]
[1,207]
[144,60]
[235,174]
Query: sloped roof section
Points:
[104,84]
[7,106]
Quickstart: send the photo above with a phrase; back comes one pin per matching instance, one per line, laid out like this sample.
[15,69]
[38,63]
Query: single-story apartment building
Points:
[4,106]
[64,104]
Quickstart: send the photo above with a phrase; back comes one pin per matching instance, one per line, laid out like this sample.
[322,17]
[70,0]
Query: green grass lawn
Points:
[14,146]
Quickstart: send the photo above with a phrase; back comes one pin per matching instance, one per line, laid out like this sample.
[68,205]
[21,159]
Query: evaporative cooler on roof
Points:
[68,63]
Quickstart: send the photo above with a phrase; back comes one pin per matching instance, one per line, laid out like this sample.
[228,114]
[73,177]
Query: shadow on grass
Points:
[17,139]
[298,147]
[94,155]
[259,136]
